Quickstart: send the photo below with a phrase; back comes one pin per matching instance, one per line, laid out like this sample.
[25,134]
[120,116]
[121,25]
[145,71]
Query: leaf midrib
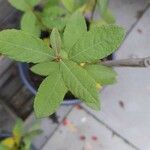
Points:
[86,49]
[59,76]
[29,49]
[78,80]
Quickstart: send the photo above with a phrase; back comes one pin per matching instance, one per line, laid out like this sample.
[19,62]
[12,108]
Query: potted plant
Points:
[65,49]
[20,138]
[45,15]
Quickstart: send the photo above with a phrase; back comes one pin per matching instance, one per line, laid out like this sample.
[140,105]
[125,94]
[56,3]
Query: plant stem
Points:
[131,62]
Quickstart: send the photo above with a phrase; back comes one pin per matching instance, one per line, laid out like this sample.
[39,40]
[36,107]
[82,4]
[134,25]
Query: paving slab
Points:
[47,125]
[128,12]
[125,105]
[138,42]
[7,118]
[80,131]
[5,63]
[9,16]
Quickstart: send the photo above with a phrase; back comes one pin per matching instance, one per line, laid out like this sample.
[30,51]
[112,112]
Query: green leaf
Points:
[53,11]
[105,12]
[75,29]
[108,17]
[36,125]
[103,4]
[24,47]
[53,17]
[30,24]
[32,2]
[28,137]
[23,5]
[55,41]
[79,3]
[32,134]
[80,83]
[50,3]
[18,128]
[20,5]
[97,44]
[27,144]
[51,23]
[45,68]
[97,23]
[69,4]
[3,147]
[63,54]
[50,95]
[102,75]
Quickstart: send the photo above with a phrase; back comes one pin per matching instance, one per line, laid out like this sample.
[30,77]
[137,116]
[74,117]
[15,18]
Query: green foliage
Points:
[108,17]
[54,17]
[79,4]
[75,29]
[24,47]
[29,23]
[80,83]
[18,128]
[24,5]
[69,4]
[58,23]
[21,137]
[105,12]
[27,143]
[51,3]
[97,44]
[55,41]
[50,95]
[102,75]
[32,2]
[103,4]
[20,5]
[45,68]
[70,61]
[3,147]
[97,23]
[53,11]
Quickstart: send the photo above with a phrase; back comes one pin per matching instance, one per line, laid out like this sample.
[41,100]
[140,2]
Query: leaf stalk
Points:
[130,62]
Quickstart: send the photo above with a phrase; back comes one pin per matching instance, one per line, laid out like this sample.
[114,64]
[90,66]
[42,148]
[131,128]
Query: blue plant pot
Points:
[24,74]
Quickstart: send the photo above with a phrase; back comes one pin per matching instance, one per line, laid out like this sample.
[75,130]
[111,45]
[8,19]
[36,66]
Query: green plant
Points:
[71,60]
[55,13]
[21,138]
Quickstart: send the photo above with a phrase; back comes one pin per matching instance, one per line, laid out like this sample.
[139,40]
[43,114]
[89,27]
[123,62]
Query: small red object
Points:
[82,137]
[94,138]
[78,107]
[65,122]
